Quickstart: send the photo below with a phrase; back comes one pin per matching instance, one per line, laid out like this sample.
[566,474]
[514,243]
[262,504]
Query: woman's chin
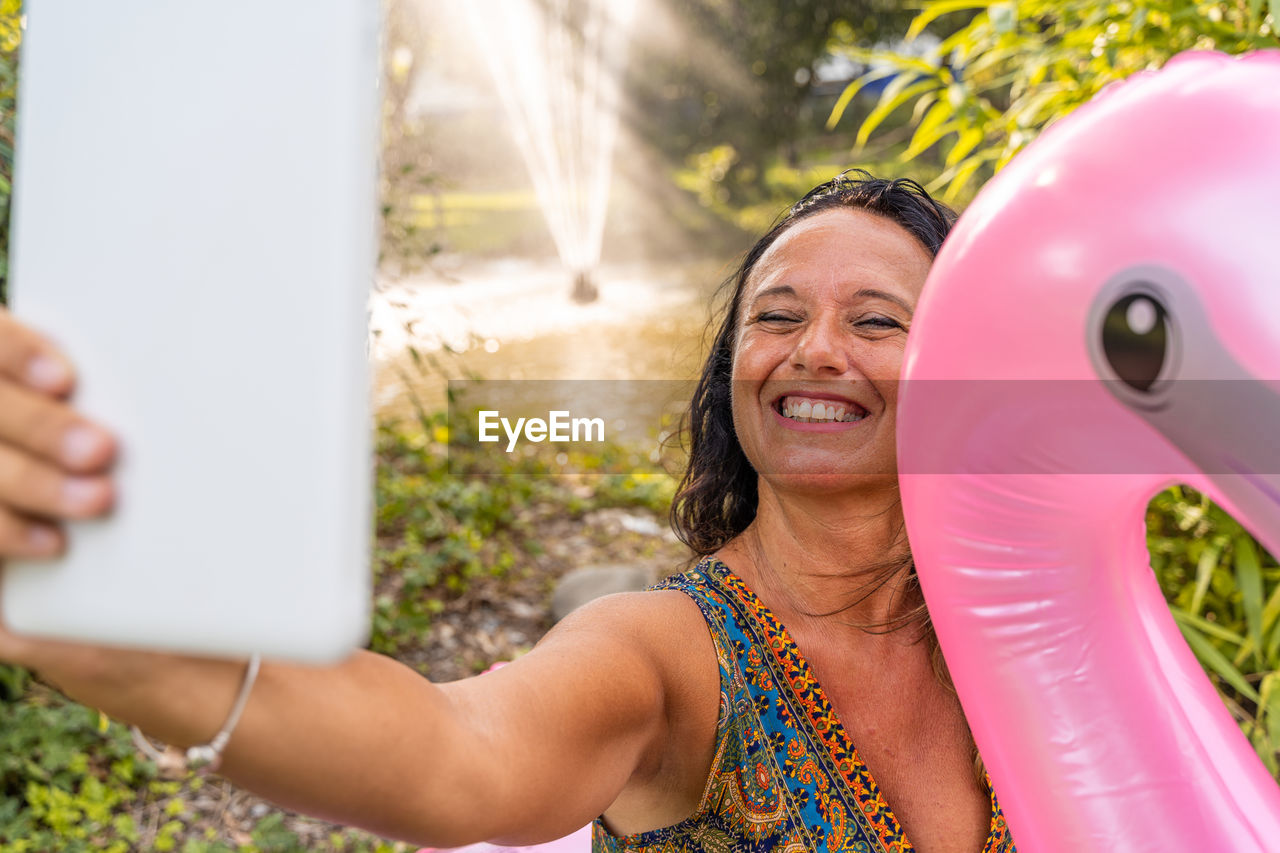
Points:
[823,480]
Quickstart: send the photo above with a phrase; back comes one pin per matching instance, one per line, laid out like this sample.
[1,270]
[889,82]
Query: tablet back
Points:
[194,224]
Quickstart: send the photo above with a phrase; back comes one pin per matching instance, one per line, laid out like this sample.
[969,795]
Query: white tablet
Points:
[194,224]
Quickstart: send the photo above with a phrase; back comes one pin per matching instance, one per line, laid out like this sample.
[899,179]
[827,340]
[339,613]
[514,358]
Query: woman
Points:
[686,717]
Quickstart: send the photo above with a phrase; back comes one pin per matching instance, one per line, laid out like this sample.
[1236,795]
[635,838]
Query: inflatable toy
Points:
[1103,322]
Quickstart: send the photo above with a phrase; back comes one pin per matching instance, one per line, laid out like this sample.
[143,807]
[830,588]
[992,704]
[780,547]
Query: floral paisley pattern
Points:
[785,776]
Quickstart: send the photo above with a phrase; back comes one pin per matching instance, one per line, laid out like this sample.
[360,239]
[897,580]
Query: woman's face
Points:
[823,321]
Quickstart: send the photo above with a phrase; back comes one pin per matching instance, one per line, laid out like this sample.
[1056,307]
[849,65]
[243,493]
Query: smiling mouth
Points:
[809,410]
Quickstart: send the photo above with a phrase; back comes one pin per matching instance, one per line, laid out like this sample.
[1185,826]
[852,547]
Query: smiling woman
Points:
[783,694]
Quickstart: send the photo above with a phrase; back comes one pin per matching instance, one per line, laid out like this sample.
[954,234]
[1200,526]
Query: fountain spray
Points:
[557,65]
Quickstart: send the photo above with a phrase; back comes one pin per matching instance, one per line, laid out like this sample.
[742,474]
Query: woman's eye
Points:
[879,323]
[775,317]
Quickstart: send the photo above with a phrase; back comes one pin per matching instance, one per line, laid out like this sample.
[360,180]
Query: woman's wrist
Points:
[63,665]
[181,700]
[206,757]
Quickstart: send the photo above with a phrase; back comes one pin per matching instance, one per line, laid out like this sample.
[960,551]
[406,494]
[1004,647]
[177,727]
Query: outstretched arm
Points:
[592,717]
[523,754]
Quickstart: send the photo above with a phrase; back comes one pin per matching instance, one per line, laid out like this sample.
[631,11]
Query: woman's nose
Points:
[821,347]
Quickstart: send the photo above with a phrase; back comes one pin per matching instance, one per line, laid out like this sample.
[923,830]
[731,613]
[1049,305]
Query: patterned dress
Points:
[785,776]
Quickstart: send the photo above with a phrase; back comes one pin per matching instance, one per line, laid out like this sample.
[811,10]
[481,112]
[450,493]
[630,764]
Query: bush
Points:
[66,774]
[1019,65]
[449,512]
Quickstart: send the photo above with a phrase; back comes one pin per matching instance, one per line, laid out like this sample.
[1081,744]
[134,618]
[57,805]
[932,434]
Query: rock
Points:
[525,610]
[618,521]
[582,585]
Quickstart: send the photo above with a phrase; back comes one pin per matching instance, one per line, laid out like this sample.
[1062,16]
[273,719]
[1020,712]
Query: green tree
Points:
[740,73]
[1019,65]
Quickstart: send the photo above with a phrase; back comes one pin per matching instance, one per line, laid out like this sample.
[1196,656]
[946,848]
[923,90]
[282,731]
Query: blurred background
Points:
[565,185]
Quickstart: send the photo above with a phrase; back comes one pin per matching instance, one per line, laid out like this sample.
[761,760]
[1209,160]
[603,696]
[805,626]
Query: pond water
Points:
[512,319]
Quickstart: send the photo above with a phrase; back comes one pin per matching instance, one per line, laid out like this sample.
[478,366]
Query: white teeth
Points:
[808,411]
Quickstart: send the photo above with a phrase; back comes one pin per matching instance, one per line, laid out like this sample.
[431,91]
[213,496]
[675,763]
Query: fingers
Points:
[32,360]
[52,461]
[49,428]
[38,488]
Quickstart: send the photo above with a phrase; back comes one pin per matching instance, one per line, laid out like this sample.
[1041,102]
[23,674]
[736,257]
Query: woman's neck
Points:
[828,560]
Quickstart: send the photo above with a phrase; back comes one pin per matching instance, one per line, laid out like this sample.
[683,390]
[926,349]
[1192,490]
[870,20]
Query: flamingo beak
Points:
[1230,431]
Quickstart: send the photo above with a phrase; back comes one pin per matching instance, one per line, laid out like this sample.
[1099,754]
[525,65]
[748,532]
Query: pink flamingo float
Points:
[1103,322]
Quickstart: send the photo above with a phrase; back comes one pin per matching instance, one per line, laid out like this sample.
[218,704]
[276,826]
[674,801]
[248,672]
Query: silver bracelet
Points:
[207,757]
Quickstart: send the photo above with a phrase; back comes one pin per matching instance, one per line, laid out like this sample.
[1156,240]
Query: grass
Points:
[476,223]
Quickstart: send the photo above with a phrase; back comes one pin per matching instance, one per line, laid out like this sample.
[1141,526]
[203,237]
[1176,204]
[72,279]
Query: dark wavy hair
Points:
[716,499]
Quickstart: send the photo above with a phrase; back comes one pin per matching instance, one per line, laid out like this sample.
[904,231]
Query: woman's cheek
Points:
[754,360]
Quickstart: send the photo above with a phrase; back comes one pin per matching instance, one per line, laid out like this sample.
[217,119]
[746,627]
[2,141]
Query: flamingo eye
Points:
[1135,339]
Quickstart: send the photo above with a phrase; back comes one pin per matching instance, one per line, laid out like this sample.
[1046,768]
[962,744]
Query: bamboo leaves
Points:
[1018,65]
[895,95]
[1224,593]
[938,8]
[1215,660]
[1249,580]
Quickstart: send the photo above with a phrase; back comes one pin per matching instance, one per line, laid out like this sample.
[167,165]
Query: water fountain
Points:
[557,64]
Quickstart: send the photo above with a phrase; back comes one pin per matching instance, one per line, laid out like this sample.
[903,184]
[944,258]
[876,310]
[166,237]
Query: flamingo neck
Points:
[1071,669]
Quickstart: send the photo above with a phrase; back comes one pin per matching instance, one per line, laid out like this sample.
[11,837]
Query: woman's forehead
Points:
[844,248]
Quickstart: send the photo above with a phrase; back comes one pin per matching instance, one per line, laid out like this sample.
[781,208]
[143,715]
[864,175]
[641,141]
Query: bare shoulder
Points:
[657,620]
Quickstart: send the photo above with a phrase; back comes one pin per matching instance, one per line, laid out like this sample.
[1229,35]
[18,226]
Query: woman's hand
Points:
[53,461]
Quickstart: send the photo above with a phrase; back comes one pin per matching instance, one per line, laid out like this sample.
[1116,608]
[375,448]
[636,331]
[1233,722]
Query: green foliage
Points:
[706,176]
[1018,66]
[406,164]
[449,511]
[272,836]
[1224,593]
[65,774]
[10,38]
[69,779]
[742,73]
